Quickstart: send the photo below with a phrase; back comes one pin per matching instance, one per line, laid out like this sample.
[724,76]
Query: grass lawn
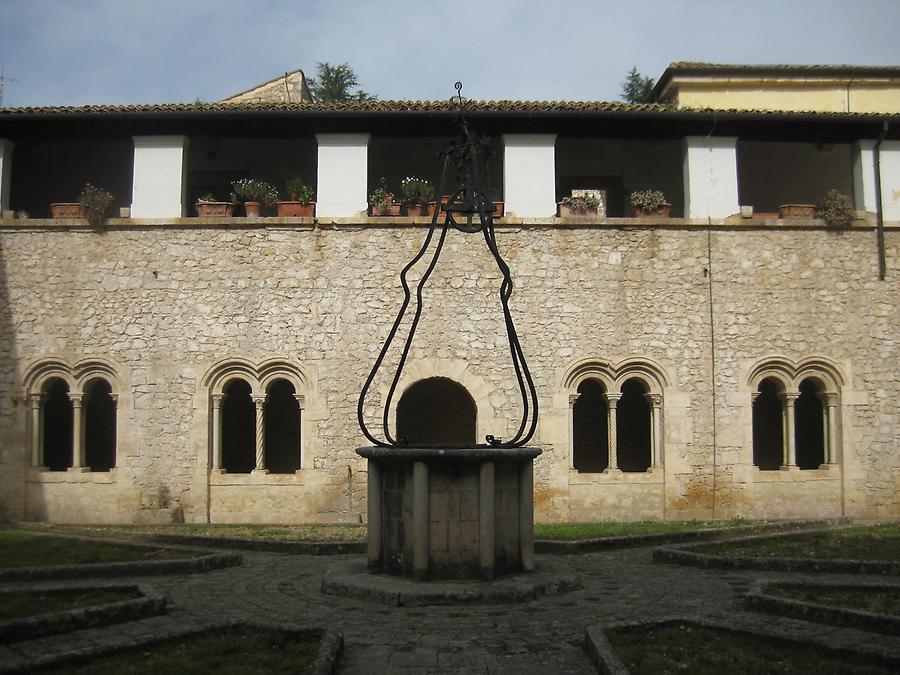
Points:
[26,549]
[687,648]
[874,542]
[885,601]
[574,531]
[20,604]
[233,651]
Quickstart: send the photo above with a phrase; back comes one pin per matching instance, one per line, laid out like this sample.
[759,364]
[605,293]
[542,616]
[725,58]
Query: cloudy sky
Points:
[72,52]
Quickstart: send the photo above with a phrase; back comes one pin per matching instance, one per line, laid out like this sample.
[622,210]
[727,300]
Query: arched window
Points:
[436,411]
[809,425]
[238,428]
[768,425]
[633,427]
[56,425]
[590,452]
[282,437]
[99,410]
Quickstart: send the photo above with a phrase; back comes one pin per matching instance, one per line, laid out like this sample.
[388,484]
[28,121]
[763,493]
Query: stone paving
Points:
[542,636]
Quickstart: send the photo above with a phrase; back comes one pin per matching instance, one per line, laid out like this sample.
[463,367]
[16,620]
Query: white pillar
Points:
[830,410]
[572,399]
[656,436]
[864,176]
[160,173]
[890,179]
[612,436]
[77,436]
[710,177]
[217,431]
[37,450]
[259,401]
[342,179]
[790,440]
[301,404]
[6,150]
[529,175]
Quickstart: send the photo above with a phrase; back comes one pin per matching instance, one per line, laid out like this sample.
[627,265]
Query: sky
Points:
[75,52]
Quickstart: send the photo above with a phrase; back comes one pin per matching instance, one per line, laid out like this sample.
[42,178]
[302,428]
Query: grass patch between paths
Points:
[27,549]
[873,542]
[230,651]
[683,647]
[21,604]
[879,601]
[576,531]
[318,533]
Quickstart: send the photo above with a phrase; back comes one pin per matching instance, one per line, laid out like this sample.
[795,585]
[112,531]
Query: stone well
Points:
[450,513]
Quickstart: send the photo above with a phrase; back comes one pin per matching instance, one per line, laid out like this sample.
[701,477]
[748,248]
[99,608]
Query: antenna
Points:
[3,81]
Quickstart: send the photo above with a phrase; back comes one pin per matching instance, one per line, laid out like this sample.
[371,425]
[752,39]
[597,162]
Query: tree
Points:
[334,83]
[636,88]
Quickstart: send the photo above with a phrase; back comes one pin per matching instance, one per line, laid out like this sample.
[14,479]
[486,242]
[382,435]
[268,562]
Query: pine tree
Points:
[335,83]
[636,88]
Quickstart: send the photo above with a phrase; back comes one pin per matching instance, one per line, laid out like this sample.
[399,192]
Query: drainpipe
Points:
[879,210]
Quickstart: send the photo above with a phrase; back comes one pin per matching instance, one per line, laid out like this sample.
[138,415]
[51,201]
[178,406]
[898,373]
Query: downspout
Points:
[879,210]
[712,339]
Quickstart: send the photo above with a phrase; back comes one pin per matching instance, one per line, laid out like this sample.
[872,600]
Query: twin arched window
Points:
[795,421]
[257,415]
[74,412]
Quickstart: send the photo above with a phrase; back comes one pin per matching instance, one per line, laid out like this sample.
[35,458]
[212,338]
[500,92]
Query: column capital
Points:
[754,395]
[653,399]
[301,400]
[114,397]
[789,396]
[613,398]
[829,398]
[36,398]
[76,398]
[258,399]
[217,399]
[572,399]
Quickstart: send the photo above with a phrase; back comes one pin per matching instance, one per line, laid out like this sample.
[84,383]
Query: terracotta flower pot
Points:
[432,206]
[572,212]
[664,211]
[252,209]
[214,209]
[499,209]
[797,210]
[414,210]
[67,210]
[296,209]
[386,210]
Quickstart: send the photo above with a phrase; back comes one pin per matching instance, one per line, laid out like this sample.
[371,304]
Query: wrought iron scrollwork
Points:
[469,210]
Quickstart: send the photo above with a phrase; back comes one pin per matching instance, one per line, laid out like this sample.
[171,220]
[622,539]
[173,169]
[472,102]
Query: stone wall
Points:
[288,88]
[163,303]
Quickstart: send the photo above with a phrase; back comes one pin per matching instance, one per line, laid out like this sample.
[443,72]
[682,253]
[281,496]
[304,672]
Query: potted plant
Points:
[209,205]
[796,210]
[650,203]
[578,206]
[95,202]
[301,202]
[415,194]
[836,209]
[255,194]
[381,201]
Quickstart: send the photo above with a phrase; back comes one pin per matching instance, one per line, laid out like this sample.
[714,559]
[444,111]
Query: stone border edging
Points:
[244,544]
[761,601]
[93,616]
[331,644]
[560,547]
[607,661]
[138,568]
[682,555]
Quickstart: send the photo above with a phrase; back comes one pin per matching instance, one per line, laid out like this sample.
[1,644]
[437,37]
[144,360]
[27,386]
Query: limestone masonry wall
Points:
[164,303]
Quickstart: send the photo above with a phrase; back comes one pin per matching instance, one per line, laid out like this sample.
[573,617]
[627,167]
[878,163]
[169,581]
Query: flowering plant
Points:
[836,209]
[416,190]
[299,190]
[581,204]
[255,190]
[380,197]
[96,201]
[648,200]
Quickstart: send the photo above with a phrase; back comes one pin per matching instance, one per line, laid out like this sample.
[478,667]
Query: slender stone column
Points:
[375,524]
[37,450]
[486,520]
[832,443]
[572,399]
[526,514]
[420,520]
[217,431]
[77,437]
[656,435]
[260,401]
[301,404]
[790,444]
[611,433]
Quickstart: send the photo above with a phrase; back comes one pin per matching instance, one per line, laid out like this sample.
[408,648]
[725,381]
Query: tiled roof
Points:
[395,107]
[793,68]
